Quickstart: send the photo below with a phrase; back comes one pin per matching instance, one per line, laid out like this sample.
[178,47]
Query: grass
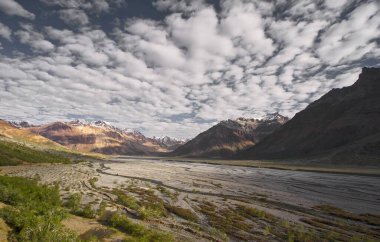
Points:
[74,204]
[35,213]
[92,182]
[125,200]
[245,223]
[137,231]
[250,213]
[172,195]
[13,154]
[148,206]
[364,218]
[226,220]
[97,234]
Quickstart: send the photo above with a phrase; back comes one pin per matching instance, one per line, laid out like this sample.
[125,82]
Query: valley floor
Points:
[206,202]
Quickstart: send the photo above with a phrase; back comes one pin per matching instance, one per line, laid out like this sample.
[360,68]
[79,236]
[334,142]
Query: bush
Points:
[125,200]
[123,223]
[147,213]
[102,208]
[73,202]
[36,212]
[137,231]
[87,212]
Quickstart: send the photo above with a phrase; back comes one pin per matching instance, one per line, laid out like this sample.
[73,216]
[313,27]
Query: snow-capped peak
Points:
[274,116]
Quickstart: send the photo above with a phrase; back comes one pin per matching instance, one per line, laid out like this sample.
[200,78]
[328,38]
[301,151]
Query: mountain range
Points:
[341,126]
[99,137]
[230,136]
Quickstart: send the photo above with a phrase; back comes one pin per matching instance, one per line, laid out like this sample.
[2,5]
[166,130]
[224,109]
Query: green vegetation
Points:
[12,153]
[97,234]
[92,182]
[102,208]
[151,211]
[36,212]
[87,212]
[137,231]
[125,200]
[226,220]
[172,195]
[148,206]
[250,212]
[74,204]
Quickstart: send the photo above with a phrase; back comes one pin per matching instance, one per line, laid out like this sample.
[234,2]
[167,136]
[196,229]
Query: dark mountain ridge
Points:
[342,124]
[229,136]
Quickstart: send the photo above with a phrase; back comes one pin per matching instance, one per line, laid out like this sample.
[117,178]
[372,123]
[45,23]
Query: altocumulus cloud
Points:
[177,67]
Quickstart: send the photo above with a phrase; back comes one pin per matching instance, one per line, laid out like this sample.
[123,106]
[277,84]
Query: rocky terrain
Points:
[203,202]
[230,136]
[342,126]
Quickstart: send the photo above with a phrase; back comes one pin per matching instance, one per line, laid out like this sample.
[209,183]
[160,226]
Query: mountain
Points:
[169,143]
[342,126]
[230,136]
[98,136]
[11,131]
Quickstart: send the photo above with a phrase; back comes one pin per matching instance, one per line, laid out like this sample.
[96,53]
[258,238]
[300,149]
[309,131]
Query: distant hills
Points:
[228,137]
[9,132]
[342,126]
[99,137]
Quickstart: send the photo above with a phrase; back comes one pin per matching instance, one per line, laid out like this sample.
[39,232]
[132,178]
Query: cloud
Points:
[5,32]
[36,40]
[352,37]
[180,6]
[96,6]
[11,7]
[182,73]
[335,4]
[73,17]
[244,24]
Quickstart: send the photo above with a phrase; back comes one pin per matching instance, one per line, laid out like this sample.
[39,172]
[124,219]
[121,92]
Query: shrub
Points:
[138,231]
[36,212]
[73,202]
[102,208]
[147,213]
[87,212]
[125,200]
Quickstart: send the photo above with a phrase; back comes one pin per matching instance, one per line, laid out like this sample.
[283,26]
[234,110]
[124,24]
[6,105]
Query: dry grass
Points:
[364,218]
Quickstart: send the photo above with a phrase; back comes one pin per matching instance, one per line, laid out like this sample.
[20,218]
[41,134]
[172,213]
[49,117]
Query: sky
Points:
[176,68]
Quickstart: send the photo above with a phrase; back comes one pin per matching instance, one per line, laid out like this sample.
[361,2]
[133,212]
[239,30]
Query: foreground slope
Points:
[230,136]
[99,137]
[343,125]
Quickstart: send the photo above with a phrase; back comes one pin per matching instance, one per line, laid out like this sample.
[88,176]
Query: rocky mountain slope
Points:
[343,125]
[9,131]
[98,136]
[230,136]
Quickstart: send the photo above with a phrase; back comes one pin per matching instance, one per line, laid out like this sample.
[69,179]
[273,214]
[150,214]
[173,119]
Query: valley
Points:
[189,121]
[208,202]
